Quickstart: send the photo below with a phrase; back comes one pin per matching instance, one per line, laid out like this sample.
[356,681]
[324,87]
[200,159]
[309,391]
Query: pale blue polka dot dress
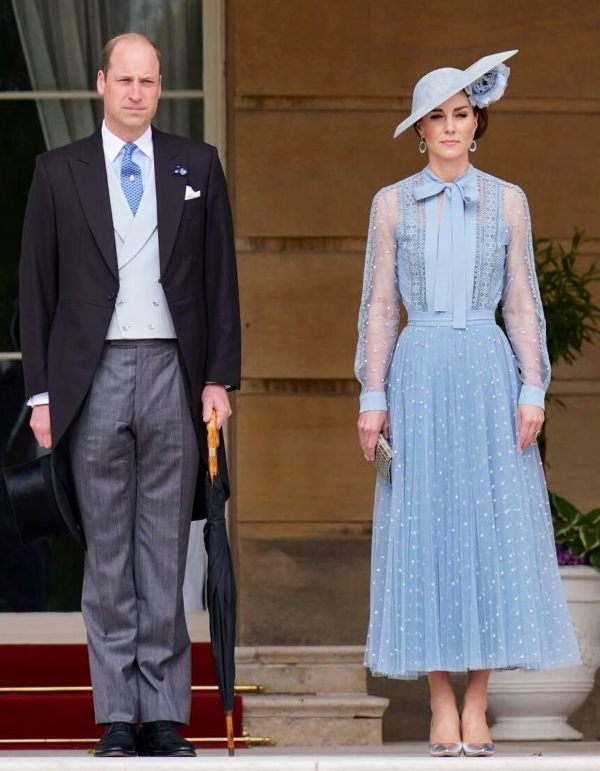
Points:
[464,573]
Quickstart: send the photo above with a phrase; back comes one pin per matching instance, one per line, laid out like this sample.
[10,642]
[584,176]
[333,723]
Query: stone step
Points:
[308,669]
[314,696]
[315,720]
[550,756]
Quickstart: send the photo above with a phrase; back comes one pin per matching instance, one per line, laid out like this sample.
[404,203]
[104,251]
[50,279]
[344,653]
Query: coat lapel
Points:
[170,194]
[89,174]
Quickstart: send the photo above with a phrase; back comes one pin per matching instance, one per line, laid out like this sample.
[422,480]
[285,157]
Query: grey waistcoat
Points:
[141,310]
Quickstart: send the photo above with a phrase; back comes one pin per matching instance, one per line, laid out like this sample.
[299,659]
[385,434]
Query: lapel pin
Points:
[180,170]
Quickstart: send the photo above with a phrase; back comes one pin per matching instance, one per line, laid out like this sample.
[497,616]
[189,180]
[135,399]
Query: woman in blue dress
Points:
[464,575]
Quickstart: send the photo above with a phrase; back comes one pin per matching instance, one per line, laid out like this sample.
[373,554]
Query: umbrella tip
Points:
[230,739]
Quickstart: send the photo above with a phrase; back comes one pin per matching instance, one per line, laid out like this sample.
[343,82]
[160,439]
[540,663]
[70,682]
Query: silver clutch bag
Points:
[383,459]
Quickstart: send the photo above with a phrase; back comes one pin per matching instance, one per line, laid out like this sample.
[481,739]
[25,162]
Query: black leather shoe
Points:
[118,741]
[160,739]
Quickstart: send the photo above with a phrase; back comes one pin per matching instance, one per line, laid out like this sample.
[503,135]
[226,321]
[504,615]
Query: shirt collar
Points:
[466,176]
[113,144]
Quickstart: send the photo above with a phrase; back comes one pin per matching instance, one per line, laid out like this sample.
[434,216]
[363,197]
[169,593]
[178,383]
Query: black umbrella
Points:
[220,583]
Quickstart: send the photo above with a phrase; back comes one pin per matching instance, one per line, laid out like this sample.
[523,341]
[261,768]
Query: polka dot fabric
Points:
[131,178]
[464,573]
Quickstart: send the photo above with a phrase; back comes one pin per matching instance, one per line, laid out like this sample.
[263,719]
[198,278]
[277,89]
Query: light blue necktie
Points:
[450,247]
[131,179]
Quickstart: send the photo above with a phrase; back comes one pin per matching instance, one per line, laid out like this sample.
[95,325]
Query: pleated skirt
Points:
[463,573]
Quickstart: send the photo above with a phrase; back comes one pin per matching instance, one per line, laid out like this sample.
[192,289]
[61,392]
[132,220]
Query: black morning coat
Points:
[69,282]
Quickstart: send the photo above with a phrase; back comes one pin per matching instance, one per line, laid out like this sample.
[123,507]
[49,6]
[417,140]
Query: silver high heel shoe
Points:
[445,749]
[475,750]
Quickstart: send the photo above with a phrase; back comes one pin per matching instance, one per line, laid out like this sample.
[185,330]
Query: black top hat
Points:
[30,492]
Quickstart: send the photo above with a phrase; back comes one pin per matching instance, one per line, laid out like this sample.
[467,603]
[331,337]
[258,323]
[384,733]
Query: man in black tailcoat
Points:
[130,337]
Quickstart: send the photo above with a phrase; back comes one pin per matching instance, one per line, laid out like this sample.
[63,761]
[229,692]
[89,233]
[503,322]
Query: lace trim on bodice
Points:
[412,244]
[489,221]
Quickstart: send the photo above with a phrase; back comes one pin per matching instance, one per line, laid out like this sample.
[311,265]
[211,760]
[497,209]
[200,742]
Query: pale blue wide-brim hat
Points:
[439,85]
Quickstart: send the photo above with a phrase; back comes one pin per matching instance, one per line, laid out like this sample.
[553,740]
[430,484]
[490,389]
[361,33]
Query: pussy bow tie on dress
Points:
[450,247]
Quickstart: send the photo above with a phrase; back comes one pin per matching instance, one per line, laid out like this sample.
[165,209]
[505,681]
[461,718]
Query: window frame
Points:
[213,76]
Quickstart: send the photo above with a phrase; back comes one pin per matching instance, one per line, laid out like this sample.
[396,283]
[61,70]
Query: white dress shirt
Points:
[143,154]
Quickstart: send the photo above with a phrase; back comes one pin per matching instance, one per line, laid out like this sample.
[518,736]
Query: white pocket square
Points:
[191,193]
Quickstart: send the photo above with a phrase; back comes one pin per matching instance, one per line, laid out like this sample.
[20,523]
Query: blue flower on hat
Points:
[489,87]
[180,170]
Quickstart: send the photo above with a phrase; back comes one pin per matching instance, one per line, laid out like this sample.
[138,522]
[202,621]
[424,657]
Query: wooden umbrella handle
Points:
[213,442]
[230,739]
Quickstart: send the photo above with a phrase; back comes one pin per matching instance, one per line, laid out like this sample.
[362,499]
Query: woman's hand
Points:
[530,420]
[370,424]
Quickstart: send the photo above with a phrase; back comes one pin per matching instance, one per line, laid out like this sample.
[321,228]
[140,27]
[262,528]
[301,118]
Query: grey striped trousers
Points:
[134,456]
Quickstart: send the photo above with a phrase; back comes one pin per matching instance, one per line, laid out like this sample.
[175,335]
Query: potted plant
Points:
[577,535]
[536,705]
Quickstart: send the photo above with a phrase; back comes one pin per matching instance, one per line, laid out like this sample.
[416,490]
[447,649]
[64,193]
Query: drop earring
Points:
[422,146]
[473,146]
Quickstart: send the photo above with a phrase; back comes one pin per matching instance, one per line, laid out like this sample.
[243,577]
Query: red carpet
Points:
[70,715]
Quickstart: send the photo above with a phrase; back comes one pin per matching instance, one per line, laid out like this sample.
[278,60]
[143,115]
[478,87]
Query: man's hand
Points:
[530,420]
[40,425]
[215,397]
[370,424]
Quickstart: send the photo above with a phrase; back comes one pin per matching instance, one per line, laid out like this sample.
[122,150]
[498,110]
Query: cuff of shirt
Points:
[373,400]
[532,395]
[38,399]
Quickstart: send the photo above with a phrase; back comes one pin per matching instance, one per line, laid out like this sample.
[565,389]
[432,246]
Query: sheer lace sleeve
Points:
[379,310]
[521,303]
